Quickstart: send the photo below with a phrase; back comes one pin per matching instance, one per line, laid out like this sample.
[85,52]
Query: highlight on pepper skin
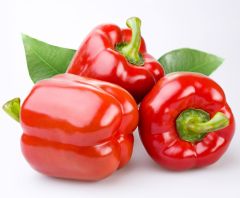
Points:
[78,128]
[118,56]
[185,121]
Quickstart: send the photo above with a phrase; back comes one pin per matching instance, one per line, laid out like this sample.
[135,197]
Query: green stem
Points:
[131,50]
[12,108]
[194,124]
[218,121]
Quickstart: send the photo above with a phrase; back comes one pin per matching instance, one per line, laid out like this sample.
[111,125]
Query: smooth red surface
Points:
[78,128]
[173,94]
[97,58]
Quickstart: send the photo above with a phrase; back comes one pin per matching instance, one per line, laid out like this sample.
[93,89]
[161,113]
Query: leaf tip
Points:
[221,59]
[24,36]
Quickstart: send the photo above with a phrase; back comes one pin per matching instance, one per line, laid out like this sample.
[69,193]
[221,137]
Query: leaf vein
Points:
[42,59]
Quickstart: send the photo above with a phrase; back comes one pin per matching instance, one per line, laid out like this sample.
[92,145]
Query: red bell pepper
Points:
[77,128]
[185,121]
[118,56]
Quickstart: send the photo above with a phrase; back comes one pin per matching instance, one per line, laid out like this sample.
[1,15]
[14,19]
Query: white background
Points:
[209,25]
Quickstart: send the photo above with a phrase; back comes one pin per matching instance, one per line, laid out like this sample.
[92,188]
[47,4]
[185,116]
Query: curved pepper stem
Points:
[218,121]
[194,124]
[12,108]
[131,50]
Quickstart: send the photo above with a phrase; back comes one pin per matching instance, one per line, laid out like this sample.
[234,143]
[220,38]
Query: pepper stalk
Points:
[12,108]
[131,50]
[194,124]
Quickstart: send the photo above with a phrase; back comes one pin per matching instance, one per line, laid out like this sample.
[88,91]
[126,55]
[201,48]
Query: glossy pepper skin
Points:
[172,95]
[98,58]
[77,128]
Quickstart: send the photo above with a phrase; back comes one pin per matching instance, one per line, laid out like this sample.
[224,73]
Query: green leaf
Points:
[192,60]
[45,60]
[12,108]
